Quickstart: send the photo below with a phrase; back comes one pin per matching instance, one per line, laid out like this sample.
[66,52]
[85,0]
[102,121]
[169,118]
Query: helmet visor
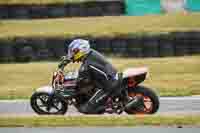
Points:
[73,53]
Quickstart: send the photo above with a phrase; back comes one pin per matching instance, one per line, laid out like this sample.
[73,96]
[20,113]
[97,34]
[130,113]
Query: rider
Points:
[94,67]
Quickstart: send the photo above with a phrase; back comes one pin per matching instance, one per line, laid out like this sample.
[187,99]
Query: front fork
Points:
[50,101]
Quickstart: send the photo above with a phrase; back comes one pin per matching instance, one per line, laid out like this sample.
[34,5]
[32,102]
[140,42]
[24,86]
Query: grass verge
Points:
[83,121]
[100,26]
[175,76]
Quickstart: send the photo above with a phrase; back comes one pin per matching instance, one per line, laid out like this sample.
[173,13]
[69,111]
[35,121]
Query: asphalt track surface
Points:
[100,130]
[168,105]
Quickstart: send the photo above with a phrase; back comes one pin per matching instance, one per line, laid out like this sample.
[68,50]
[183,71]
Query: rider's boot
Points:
[95,104]
[137,104]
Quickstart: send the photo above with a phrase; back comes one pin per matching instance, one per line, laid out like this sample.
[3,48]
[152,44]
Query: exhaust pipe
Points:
[137,102]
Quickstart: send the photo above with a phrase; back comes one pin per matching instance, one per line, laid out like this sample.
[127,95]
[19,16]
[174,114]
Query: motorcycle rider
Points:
[94,68]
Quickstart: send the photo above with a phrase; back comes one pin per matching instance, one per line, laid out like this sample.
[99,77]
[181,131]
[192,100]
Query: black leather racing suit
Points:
[96,68]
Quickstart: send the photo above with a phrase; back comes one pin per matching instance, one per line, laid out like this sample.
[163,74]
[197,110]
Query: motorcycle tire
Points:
[38,110]
[146,93]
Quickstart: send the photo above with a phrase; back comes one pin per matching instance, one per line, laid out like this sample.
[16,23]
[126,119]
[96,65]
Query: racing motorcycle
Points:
[65,91]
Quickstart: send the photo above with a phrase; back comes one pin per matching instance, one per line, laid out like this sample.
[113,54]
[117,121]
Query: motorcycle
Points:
[64,91]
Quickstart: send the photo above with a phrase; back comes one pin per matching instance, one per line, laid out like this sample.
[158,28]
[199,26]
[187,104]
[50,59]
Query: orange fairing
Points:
[131,82]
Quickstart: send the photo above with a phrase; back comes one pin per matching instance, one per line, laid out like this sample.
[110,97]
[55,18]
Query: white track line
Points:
[181,98]
[13,101]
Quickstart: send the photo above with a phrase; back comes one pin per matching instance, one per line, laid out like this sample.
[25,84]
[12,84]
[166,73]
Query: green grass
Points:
[39,2]
[83,121]
[100,26]
[178,76]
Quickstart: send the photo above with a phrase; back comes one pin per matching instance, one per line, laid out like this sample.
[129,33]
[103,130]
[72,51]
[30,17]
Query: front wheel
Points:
[40,104]
[151,100]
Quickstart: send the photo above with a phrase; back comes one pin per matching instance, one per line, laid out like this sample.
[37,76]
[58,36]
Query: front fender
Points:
[46,89]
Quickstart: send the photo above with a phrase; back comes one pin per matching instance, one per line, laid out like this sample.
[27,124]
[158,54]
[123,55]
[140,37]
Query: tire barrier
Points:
[165,45]
[89,8]
[6,51]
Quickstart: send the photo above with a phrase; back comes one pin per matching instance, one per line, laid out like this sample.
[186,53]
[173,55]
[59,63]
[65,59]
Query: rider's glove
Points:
[64,62]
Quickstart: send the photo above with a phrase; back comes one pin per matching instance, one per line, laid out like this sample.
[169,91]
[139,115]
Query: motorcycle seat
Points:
[134,71]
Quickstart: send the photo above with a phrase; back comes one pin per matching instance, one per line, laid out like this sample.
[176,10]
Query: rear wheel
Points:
[151,100]
[39,103]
